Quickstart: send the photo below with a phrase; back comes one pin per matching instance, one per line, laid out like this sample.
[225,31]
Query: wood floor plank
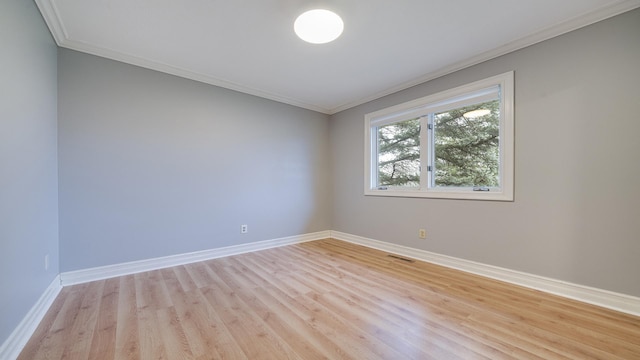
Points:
[297,328]
[407,307]
[254,337]
[103,344]
[197,324]
[173,335]
[341,332]
[324,299]
[151,291]
[150,339]
[199,274]
[46,339]
[184,278]
[127,342]
[246,290]
[84,322]
[224,342]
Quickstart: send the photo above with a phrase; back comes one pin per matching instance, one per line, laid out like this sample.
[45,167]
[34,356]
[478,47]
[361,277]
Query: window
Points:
[456,144]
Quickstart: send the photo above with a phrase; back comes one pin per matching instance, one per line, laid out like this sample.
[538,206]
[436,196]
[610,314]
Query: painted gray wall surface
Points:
[154,165]
[576,214]
[28,168]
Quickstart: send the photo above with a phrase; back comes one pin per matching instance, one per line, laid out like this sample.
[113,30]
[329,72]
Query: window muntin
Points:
[437,147]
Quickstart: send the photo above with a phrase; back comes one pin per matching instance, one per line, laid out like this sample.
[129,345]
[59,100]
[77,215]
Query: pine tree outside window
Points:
[455,144]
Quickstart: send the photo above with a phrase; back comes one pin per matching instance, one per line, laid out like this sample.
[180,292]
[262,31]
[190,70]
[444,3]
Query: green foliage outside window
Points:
[466,149]
[399,154]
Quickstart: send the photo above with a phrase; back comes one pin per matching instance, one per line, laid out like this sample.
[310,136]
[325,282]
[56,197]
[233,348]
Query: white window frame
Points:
[442,101]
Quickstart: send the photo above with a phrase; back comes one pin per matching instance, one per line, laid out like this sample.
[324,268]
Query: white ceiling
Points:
[250,46]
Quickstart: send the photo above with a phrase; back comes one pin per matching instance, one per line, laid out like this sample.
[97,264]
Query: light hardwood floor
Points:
[323,300]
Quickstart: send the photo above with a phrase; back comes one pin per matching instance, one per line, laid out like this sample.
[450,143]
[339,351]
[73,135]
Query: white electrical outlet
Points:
[422,234]
[46,262]
[244,229]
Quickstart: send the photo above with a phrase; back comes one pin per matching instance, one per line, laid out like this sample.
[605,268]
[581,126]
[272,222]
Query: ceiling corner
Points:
[51,17]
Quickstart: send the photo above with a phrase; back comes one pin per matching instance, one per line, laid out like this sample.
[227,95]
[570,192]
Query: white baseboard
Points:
[12,347]
[14,344]
[109,271]
[608,299]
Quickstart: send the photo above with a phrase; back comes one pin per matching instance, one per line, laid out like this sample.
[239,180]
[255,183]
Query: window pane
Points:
[467,146]
[399,154]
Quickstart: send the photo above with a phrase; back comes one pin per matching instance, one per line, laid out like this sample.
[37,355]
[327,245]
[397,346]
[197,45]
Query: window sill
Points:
[435,194]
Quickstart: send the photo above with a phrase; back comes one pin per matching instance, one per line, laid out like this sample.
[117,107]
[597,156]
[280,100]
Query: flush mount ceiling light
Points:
[318,26]
[476,113]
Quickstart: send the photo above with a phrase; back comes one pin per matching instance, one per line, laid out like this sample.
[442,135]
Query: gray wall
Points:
[28,169]
[576,214]
[154,165]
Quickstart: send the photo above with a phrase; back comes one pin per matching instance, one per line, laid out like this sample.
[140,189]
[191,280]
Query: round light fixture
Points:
[318,26]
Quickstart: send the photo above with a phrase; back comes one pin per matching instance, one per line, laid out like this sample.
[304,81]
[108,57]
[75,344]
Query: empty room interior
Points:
[434,180]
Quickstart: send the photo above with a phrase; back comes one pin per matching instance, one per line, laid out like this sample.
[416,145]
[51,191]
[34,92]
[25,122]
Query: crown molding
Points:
[56,26]
[578,22]
[52,18]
